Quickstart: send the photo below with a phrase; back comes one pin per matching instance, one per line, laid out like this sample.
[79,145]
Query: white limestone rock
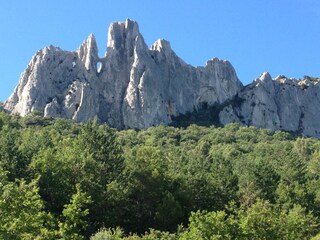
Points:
[136,87]
[159,84]
[53,78]
[280,104]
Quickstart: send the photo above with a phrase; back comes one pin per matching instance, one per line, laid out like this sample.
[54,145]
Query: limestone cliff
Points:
[283,103]
[138,87]
[135,87]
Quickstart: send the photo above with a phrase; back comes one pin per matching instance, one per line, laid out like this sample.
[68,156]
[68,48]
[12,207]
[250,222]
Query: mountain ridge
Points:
[134,86]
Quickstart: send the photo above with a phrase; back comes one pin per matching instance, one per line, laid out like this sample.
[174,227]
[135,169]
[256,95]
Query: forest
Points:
[65,180]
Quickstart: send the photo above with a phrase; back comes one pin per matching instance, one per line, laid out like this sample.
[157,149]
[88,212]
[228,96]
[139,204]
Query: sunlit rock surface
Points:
[134,87]
[282,103]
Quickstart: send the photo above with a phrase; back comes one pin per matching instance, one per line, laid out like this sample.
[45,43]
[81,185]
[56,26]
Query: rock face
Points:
[283,103]
[133,87]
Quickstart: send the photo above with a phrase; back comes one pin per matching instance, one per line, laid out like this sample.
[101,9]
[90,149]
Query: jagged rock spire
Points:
[88,53]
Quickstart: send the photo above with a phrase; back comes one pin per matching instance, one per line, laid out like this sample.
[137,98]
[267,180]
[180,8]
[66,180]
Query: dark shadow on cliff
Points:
[205,115]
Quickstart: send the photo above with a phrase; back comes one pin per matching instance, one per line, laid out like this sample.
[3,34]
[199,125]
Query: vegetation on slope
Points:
[61,180]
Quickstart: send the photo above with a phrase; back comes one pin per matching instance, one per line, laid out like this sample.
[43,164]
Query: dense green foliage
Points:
[61,180]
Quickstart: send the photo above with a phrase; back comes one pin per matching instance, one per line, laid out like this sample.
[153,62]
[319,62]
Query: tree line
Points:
[62,180]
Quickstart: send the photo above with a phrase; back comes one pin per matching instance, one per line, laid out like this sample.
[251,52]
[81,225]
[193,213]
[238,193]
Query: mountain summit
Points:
[135,86]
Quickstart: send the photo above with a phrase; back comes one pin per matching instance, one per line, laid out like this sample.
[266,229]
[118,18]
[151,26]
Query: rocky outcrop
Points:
[283,103]
[134,87]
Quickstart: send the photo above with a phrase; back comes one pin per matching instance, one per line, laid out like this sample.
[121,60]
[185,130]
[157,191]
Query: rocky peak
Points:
[162,51]
[125,44]
[122,35]
[265,77]
[263,81]
[161,45]
[88,53]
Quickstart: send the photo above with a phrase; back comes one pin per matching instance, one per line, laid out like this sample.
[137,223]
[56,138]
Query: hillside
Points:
[63,179]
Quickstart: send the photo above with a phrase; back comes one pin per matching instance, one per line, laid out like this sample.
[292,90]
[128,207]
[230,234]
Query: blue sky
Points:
[279,36]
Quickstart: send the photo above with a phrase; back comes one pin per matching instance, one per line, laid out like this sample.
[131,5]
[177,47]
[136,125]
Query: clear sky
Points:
[279,36]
